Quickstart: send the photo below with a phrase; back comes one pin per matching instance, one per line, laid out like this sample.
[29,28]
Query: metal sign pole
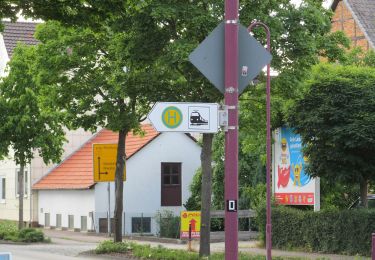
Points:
[268,164]
[109,208]
[231,136]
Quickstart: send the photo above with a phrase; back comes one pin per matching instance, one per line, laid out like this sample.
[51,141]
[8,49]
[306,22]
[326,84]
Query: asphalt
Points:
[251,247]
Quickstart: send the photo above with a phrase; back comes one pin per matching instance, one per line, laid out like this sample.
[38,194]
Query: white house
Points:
[14,33]
[159,169]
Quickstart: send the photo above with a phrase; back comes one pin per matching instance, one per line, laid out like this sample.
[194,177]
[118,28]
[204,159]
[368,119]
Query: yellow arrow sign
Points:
[190,219]
[104,158]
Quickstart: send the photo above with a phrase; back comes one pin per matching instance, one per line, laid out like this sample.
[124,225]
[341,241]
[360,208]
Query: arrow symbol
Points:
[99,168]
[192,223]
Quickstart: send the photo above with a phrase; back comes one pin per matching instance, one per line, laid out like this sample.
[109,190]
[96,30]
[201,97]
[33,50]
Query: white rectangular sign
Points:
[185,117]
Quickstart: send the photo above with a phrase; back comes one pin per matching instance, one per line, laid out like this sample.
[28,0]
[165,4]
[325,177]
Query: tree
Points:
[298,34]
[8,9]
[102,78]
[28,124]
[335,117]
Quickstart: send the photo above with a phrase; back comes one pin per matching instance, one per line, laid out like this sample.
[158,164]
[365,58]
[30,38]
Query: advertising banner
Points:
[190,219]
[292,185]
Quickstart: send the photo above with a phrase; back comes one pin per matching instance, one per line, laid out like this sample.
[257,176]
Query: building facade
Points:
[159,170]
[356,18]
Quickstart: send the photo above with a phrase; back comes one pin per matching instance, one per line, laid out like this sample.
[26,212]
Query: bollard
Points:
[373,247]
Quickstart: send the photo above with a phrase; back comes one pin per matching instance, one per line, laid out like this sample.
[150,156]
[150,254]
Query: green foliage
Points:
[194,201]
[344,232]
[251,172]
[358,57]
[335,118]
[169,224]
[28,124]
[256,196]
[9,231]
[8,9]
[109,246]
[161,253]
[336,195]
[31,235]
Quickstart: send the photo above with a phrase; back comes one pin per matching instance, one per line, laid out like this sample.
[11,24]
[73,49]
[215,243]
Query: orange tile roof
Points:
[76,171]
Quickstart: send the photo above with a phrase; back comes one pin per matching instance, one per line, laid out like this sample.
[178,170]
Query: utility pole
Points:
[231,136]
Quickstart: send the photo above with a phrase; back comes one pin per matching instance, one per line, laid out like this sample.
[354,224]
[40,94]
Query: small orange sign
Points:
[193,219]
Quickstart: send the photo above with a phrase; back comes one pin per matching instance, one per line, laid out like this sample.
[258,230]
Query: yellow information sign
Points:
[105,156]
[192,219]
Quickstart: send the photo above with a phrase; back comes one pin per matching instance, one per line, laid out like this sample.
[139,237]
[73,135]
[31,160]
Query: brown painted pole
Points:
[268,163]
[189,247]
[231,135]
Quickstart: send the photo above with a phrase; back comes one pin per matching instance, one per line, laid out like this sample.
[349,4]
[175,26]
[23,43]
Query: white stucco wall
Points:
[36,170]
[9,206]
[142,189]
[66,202]
[3,56]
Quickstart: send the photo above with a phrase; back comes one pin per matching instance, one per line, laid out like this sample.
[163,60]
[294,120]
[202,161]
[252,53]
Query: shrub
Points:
[31,235]
[169,224]
[345,232]
[161,253]
[9,231]
[109,246]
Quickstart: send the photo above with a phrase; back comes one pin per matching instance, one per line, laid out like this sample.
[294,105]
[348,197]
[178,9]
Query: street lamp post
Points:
[268,163]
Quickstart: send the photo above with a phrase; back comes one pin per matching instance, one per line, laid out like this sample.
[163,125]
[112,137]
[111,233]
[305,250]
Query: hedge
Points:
[343,232]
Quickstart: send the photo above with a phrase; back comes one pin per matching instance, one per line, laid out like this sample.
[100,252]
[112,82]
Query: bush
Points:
[7,228]
[109,246]
[161,253]
[31,235]
[345,232]
[9,231]
[169,224]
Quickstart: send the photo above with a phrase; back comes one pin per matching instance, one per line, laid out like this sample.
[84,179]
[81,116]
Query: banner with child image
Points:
[291,184]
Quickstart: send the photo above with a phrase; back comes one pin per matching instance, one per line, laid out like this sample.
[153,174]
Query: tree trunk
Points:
[20,198]
[119,185]
[206,159]
[363,186]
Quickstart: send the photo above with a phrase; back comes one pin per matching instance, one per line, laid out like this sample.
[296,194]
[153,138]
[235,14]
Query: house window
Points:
[103,225]
[25,182]
[46,220]
[83,223]
[71,221]
[141,225]
[2,189]
[171,184]
[58,220]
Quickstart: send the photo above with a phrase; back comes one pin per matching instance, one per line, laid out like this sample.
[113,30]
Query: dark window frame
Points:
[3,189]
[141,225]
[171,184]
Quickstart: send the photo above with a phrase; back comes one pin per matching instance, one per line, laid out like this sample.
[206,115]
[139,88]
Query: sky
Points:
[327,3]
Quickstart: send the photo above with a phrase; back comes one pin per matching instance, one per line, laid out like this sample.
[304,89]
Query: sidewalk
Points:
[250,247]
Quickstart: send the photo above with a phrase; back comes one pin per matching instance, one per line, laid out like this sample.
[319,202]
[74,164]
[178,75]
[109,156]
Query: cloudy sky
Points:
[327,3]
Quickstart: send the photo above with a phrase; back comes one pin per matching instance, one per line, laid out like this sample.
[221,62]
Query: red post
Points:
[189,245]
[231,136]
